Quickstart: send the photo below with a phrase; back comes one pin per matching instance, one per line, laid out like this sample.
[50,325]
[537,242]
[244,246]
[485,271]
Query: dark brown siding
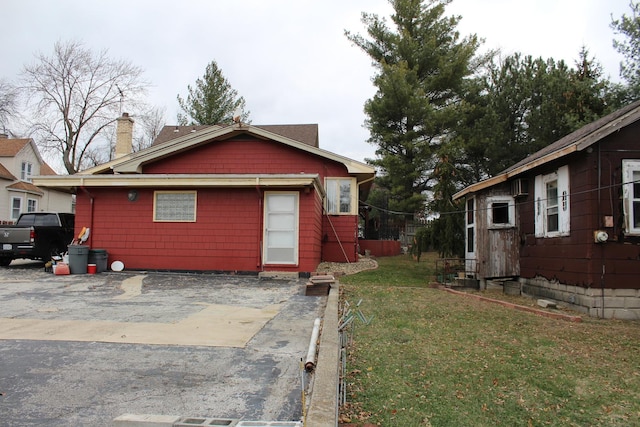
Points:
[595,188]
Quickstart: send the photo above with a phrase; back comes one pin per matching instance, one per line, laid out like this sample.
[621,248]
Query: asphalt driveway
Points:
[85,349]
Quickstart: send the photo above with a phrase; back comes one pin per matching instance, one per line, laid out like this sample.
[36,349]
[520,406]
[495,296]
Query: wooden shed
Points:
[565,221]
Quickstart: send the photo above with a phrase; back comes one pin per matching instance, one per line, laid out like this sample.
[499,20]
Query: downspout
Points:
[259,263]
[91,198]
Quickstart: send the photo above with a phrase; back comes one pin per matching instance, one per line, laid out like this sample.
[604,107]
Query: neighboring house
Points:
[20,161]
[237,198]
[565,221]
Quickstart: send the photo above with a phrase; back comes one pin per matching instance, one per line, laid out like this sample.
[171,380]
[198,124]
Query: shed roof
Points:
[575,141]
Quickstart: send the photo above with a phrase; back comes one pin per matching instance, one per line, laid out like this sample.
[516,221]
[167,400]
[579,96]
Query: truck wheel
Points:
[5,261]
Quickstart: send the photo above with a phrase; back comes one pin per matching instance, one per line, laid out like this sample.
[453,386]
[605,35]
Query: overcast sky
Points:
[289,59]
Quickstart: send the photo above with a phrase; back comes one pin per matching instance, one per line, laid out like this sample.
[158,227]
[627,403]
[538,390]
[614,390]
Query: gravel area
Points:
[341,268]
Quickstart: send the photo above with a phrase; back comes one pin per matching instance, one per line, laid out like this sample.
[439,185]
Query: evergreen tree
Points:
[421,66]
[212,101]
[629,27]
[447,231]
[522,104]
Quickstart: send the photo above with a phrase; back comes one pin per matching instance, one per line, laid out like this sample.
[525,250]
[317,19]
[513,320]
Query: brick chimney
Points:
[124,135]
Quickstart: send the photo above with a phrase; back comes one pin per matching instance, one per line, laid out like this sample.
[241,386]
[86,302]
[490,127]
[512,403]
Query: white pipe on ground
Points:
[310,361]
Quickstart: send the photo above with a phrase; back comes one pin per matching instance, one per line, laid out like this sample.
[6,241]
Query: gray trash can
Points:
[78,259]
[98,257]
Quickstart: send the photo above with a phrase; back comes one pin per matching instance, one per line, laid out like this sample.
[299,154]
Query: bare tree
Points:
[75,95]
[150,123]
[8,97]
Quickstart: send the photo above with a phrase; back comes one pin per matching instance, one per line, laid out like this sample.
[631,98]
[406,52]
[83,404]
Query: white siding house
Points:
[19,162]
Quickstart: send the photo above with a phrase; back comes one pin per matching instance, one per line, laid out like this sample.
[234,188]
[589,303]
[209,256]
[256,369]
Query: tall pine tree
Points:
[421,65]
[212,101]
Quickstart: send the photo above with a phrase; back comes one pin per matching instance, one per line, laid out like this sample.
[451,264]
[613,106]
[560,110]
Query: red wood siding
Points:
[226,236]
[340,245]
[246,157]
[228,232]
[576,259]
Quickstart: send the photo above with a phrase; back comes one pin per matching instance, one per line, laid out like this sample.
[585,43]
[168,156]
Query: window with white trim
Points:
[470,221]
[32,205]
[631,196]
[174,206]
[501,212]
[341,196]
[26,171]
[552,214]
[16,207]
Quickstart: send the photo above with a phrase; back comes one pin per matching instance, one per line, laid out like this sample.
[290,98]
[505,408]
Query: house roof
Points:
[5,174]
[127,170]
[306,133]
[579,140]
[132,163]
[47,170]
[11,147]
[24,186]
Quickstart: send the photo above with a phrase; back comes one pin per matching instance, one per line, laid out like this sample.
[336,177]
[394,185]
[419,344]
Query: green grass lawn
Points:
[431,358]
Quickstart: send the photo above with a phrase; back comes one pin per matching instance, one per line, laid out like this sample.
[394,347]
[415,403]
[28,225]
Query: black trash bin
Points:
[98,257]
[78,259]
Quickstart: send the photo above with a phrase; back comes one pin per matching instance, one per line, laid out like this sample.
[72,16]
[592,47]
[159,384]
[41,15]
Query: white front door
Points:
[281,228]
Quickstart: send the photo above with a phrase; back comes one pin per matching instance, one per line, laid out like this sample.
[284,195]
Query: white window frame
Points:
[470,235]
[32,205]
[541,204]
[333,205]
[181,208]
[629,167]
[15,215]
[511,209]
[26,171]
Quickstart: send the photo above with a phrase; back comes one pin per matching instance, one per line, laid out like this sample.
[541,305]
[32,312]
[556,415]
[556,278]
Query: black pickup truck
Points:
[36,235]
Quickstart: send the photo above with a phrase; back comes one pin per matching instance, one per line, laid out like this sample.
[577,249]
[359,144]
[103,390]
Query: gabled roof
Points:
[132,163]
[11,147]
[576,141]
[25,186]
[306,133]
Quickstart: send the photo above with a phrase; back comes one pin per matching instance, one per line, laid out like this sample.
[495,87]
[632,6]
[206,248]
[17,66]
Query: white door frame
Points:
[281,228]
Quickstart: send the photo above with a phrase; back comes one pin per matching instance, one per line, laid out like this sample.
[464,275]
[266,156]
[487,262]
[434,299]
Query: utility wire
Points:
[515,204]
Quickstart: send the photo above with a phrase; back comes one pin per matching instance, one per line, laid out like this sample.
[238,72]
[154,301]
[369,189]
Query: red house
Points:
[236,198]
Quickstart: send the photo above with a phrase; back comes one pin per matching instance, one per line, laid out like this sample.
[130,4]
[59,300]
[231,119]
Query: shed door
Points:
[502,256]
[281,228]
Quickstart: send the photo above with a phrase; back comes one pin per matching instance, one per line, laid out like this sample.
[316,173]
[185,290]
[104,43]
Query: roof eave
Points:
[180,181]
